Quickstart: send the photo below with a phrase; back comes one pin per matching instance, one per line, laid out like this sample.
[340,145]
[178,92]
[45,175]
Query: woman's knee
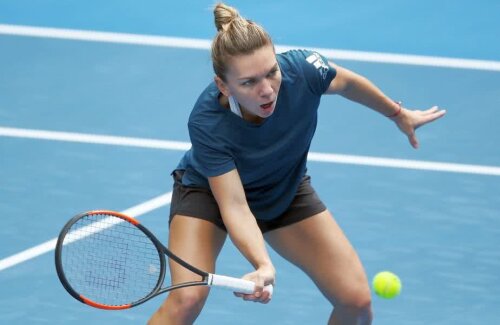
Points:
[356,302]
[185,303]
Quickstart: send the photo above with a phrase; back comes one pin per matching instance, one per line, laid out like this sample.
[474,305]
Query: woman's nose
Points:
[266,88]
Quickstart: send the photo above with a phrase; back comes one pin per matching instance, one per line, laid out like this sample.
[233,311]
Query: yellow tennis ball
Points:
[386,284]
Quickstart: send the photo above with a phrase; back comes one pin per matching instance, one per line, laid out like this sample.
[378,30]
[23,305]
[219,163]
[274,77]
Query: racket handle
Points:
[235,284]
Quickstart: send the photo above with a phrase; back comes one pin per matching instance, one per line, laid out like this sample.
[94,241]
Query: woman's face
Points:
[254,81]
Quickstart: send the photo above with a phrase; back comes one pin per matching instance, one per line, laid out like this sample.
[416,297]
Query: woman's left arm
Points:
[359,89]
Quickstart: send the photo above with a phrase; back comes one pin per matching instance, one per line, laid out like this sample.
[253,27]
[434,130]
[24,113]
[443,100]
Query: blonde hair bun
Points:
[224,15]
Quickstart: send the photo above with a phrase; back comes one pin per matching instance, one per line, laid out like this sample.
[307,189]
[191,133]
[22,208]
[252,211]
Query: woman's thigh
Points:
[196,241]
[319,247]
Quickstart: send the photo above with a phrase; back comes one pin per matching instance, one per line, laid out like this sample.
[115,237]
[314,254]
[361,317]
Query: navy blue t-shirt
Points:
[271,156]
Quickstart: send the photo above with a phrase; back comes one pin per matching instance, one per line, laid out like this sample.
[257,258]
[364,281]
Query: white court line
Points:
[136,211]
[405,163]
[93,138]
[313,156]
[203,44]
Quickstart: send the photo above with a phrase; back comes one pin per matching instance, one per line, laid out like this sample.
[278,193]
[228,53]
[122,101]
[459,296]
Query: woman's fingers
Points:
[430,115]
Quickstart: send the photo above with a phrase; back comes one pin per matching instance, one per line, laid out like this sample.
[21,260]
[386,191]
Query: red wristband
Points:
[397,112]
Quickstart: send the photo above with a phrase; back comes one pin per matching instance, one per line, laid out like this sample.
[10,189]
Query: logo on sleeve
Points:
[320,65]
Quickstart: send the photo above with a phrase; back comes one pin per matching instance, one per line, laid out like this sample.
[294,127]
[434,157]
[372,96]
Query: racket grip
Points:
[235,284]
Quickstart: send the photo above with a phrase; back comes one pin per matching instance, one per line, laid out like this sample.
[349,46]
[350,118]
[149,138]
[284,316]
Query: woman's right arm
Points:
[243,230]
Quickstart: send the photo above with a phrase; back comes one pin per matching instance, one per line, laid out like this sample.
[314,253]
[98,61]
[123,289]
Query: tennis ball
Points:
[386,284]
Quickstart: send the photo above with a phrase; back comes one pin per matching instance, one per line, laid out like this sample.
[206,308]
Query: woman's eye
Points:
[272,73]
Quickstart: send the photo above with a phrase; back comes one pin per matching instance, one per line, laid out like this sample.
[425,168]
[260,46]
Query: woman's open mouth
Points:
[267,106]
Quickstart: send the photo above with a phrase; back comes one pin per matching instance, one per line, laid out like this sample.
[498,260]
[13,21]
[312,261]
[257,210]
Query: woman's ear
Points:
[222,86]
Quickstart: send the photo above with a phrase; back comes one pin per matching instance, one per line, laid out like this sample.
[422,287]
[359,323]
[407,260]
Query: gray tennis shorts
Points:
[200,203]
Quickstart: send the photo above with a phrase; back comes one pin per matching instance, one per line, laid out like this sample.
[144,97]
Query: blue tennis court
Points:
[94,101]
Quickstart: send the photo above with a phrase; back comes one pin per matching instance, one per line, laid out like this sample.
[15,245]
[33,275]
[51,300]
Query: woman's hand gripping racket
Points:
[108,260]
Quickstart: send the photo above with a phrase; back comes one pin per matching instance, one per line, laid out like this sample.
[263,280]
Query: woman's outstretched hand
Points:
[408,121]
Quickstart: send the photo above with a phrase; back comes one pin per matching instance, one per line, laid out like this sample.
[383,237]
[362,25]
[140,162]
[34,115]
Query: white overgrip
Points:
[235,284]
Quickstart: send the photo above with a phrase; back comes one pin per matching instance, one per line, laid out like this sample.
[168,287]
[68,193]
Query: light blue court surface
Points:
[439,230]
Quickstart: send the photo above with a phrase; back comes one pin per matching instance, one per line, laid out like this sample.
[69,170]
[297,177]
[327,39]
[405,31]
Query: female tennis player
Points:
[245,174]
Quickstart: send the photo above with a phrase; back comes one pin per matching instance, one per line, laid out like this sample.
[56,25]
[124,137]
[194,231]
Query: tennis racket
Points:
[108,260]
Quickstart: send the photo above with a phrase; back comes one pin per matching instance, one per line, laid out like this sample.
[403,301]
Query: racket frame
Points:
[161,249]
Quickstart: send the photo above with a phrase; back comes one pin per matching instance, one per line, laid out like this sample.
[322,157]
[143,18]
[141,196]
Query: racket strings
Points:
[109,260]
